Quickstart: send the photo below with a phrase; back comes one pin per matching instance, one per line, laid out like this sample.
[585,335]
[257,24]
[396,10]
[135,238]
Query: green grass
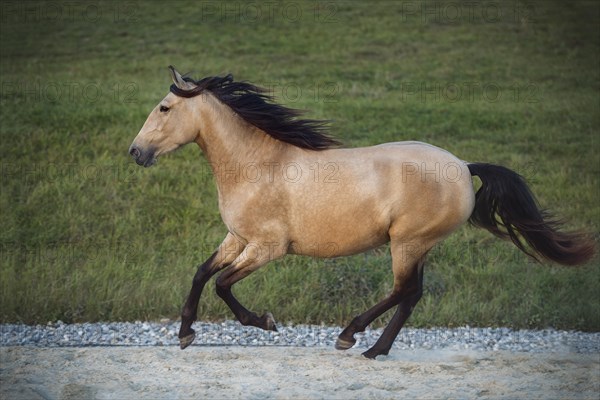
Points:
[87,235]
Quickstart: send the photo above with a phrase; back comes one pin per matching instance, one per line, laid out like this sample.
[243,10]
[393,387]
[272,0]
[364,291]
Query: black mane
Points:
[257,108]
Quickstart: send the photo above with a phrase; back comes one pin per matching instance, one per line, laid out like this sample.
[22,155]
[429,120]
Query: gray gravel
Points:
[227,333]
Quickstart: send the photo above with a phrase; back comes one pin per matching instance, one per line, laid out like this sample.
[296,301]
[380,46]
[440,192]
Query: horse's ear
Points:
[178,79]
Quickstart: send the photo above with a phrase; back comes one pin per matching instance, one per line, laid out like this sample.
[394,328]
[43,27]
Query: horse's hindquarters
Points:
[413,192]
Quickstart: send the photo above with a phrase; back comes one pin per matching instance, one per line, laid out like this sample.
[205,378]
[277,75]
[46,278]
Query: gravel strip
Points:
[228,333]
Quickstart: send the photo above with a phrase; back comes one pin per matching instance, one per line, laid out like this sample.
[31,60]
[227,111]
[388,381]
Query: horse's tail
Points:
[505,206]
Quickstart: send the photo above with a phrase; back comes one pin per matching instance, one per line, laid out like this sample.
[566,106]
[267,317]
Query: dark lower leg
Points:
[190,308]
[242,314]
[358,324]
[404,310]
[385,341]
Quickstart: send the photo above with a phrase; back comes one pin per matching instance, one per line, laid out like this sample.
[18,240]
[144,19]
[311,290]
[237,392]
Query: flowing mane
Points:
[257,108]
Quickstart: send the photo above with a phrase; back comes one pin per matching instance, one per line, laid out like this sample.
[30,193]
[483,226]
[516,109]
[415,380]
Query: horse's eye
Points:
[164,109]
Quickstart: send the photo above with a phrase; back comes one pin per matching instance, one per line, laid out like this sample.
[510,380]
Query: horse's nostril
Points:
[134,152]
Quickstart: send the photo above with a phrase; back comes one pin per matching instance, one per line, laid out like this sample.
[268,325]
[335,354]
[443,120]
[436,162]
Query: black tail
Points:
[505,206]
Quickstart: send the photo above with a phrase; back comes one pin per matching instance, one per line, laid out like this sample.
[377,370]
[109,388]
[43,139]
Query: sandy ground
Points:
[290,372]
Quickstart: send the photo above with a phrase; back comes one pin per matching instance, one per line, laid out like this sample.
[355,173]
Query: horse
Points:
[285,186]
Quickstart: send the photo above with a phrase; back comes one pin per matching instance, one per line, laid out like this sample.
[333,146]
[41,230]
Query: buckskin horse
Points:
[286,187]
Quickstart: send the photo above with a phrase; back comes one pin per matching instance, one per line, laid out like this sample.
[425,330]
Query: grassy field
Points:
[87,235]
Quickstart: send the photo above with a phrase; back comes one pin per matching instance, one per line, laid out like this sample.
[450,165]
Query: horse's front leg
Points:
[252,258]
[227,252]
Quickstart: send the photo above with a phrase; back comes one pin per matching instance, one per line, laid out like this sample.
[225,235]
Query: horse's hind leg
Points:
[406,277]
[346,338]
[385,341]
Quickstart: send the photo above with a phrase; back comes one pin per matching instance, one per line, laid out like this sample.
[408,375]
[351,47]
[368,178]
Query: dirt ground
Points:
[291,372]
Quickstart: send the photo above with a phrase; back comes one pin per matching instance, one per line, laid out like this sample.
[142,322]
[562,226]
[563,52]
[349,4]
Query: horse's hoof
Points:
[372,354]
[269,322]
[342,344]
[186,341]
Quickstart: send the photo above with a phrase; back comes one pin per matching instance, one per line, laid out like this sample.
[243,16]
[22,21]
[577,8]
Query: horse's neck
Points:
[231,144]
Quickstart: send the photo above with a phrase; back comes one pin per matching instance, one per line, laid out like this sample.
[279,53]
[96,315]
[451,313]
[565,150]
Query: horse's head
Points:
[169,126]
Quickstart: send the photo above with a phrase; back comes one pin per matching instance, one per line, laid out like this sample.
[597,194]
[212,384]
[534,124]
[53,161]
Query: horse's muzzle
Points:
[142,157]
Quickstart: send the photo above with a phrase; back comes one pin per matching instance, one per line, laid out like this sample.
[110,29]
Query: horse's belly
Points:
[328,236]
[333,248]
